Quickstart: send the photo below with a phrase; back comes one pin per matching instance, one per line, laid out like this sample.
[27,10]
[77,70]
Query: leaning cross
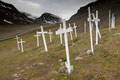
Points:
[43,35]
[96,20]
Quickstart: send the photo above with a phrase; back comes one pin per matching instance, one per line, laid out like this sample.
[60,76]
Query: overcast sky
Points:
[63,8]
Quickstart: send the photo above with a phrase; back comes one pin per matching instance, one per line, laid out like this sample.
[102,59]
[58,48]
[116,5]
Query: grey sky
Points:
[62,8]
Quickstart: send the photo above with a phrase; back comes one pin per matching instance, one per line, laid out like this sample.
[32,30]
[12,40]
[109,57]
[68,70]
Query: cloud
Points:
[25,6]
[62,8]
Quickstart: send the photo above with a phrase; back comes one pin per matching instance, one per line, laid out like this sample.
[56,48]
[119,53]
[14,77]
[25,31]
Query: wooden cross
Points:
[75,29]
[65,31]
[50,33]
[90,26]
[17,38]
[96,20]
[43,35]
[61,40]
[70,32]
[85,27]
[21,42]
[37,35]
[113,22]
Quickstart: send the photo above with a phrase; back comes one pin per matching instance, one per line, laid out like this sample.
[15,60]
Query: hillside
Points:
[103,6]
[48,18]
[10,15]
[36,64]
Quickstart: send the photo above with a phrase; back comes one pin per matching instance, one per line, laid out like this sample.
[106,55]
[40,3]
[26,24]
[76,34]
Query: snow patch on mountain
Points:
[7,21]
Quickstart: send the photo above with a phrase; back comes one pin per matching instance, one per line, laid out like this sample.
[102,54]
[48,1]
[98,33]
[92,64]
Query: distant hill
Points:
[103,6]
[48,18]
[10,15]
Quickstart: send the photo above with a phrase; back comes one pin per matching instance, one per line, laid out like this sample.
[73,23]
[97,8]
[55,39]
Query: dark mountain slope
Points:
[10,15]
[103,6]
[48,18]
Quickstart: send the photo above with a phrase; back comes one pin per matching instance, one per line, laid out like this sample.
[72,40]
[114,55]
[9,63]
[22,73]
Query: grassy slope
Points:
[12,30]
[103,65]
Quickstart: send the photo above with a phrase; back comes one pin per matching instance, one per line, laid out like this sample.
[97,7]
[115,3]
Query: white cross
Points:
[113,22]
[43,35]
[50,33]
[61,42]
[70,32]
[65,31]
[21,42]
[17,38]
[75,29]
[38,44]
[85,27]
[96,20]
[90,26]
[109,20]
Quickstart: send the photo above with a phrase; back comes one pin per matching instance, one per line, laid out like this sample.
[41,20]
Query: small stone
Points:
[18,68]
[48,64]
[27,67]
[40,63]
[63,69]
[78,58]
[116,34]
[52,65]
[34,64]
[26,78]
[89,52]
[22,71]
[54,72]
[31,66]
[15,75]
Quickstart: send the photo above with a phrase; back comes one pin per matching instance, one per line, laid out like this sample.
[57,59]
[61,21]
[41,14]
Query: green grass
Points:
[103,65]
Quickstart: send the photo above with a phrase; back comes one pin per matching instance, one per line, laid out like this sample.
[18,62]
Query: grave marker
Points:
[90,26]
[85,27]
[109,20]
[43,36]
[70,32]
[65,31]
[17,38]
[113,22]
[21,42]
[75,27]
[96,20]
[61,41]
[50,34]
[37,35]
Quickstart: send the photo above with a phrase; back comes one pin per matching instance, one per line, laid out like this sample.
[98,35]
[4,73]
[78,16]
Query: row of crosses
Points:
[92,19]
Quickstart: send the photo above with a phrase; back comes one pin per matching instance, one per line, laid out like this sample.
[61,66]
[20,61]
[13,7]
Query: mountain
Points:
[48,18]
[29,15]
[10,15]
[103,6]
